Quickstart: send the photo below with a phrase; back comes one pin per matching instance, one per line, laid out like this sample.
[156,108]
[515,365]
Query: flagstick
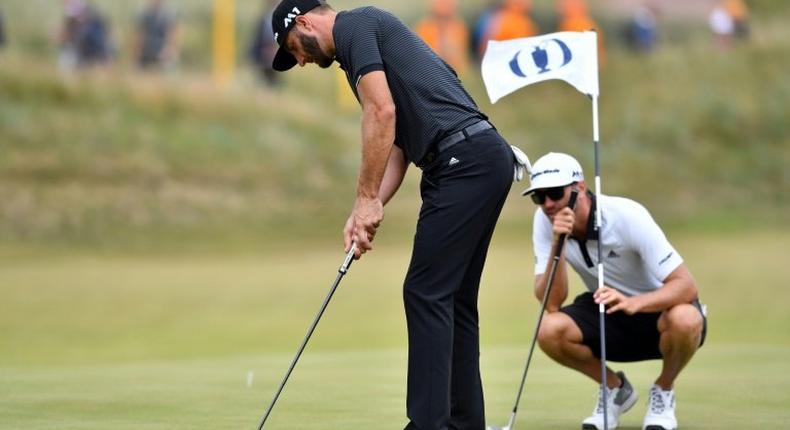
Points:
[601,310]
[503,73]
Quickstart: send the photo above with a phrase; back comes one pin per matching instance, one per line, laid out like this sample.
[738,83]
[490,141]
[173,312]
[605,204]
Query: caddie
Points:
[651,299]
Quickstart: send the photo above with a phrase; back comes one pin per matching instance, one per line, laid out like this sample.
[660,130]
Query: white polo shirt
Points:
[637,256]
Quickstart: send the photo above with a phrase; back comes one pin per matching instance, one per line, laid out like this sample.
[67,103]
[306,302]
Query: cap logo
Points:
[536,174]
[289,18]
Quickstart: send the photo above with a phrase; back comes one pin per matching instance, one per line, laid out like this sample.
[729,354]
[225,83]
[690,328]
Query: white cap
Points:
[554,169]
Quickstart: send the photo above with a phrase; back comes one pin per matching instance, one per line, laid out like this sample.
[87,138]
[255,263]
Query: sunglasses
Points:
[556,194]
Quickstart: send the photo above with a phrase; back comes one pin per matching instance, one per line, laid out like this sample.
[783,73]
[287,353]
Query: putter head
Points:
[497,428]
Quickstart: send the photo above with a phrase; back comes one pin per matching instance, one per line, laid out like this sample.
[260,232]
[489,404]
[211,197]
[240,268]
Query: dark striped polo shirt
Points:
[430,102]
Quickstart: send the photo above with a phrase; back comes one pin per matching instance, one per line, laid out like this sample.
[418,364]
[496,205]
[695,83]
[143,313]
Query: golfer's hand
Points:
[563,222]
[348,235]
[616,301]
[362,225]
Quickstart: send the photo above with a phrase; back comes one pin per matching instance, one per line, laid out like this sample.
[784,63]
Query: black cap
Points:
[283,20]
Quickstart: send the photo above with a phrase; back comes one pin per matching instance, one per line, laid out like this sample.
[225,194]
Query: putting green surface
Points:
[202,342]
[727,387]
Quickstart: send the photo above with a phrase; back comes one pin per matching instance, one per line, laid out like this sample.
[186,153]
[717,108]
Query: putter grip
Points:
[349,259]
[572,199]
[571,204]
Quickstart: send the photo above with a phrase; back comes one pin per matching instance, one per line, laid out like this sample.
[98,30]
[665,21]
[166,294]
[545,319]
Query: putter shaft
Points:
[340,272]
[555,261]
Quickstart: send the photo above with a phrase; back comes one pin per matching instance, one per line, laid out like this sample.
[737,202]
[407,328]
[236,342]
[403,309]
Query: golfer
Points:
[415,111]
[652,309]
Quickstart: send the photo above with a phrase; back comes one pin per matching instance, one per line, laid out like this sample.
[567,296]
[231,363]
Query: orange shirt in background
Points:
[448,37]
[512,21]
[574,16]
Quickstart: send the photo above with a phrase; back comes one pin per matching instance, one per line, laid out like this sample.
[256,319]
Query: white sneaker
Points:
[619,401]
[660,410]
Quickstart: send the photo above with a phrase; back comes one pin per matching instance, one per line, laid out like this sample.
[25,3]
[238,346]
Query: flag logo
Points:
[550,55]
[568,56]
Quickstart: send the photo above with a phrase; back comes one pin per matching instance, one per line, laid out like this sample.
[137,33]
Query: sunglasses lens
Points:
[556,193]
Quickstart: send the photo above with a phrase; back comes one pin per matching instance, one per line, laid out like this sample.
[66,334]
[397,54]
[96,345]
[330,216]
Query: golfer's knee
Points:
[552,331]
[684,320]
[426,307]
[418,294]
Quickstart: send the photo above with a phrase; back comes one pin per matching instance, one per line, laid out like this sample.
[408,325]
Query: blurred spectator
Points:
[574,16]
[84,37]
[2,30]
[511,20]
[156,43]
[263,46]
[481,26]
[722,25]
[740,17]
[446,33]
[642,31]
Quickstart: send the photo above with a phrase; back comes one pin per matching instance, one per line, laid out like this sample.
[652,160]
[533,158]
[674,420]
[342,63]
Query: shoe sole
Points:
[655,427]
[594,427]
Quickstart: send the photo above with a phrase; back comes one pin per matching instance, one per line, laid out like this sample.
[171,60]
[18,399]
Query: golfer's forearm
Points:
[559,288]
[393,175]
[378,132]
[559,292]
[678,288]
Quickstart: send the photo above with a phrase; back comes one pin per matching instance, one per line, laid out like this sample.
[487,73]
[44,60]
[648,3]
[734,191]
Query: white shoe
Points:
[660,410]
[619,401]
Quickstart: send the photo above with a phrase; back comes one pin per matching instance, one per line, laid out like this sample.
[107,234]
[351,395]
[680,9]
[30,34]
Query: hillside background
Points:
[113,159]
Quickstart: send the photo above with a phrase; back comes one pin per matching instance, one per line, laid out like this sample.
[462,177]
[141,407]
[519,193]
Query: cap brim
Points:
[283,60]
[532,189]
[528,191]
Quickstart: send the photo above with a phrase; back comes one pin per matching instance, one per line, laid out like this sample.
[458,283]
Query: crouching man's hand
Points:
[616,301]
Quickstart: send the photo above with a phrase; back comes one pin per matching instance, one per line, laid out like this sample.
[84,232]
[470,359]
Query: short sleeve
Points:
[645,236]
[541,241]
[361,46]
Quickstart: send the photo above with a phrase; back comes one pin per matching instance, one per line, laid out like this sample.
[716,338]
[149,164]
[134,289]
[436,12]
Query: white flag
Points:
[569,55]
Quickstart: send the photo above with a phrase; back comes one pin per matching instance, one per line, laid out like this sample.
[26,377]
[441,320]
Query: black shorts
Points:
[628,337]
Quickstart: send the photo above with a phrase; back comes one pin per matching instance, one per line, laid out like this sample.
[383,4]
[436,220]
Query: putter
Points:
[340,272]
[546,292]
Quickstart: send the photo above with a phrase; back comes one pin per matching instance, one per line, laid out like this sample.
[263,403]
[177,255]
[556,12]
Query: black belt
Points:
[452,139]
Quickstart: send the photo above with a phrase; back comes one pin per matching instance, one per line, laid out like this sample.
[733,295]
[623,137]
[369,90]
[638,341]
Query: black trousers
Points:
[463,191]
